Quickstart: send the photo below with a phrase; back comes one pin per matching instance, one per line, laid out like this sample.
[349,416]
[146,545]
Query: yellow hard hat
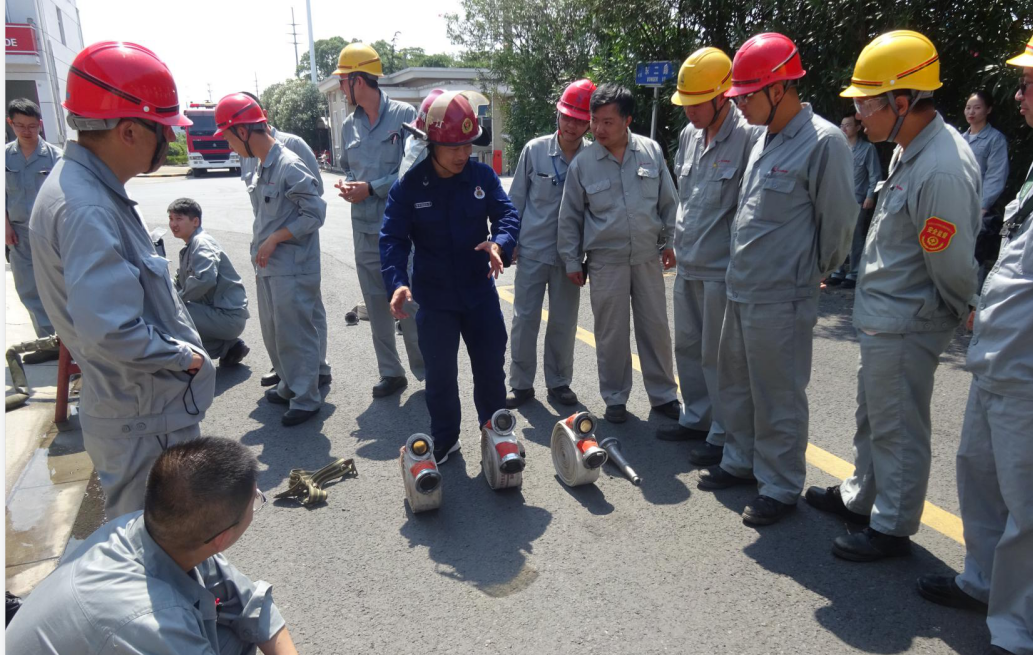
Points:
[359,57]
[896,60]
[706,74]
[1026,58]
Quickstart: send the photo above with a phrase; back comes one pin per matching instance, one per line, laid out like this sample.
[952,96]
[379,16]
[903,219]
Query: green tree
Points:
[295,106]
[327,53]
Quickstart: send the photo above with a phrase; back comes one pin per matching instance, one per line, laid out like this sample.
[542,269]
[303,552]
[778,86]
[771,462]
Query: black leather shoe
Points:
[517,397]
[833,281]
[296,416]
[944,590]
[870,545]
[997,650]
[41,356]
[848,284]
[235,354]
[716,477]
[829,500]
[764,510]
[679,433]
[269,379]
[325,379]
[670,410]
[616,413]
[275,398]
[563,395]
[707,454]
[388,386]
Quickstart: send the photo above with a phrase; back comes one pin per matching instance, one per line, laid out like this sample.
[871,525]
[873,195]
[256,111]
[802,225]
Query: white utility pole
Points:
[311,44]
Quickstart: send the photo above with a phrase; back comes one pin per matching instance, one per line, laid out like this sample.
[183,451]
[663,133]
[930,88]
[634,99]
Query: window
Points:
[61,25]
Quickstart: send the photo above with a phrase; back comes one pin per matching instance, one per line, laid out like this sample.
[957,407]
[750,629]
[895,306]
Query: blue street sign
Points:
[654,73]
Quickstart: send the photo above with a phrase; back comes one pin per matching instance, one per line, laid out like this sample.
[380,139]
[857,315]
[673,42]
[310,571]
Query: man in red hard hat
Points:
[147,380]
[536,192]
[792,228]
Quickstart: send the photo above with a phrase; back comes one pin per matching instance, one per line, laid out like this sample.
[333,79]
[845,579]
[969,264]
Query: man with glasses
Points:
[996,453]
[156,581]
[147,380]
[917,280]
[372,142]
[791,229]
[29,161]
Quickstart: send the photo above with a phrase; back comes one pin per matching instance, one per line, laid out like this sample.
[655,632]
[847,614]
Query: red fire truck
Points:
[204,150]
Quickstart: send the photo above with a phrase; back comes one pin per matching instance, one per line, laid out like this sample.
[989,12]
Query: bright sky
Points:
[225,43]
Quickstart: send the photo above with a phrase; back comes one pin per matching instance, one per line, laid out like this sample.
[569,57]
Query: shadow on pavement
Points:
[230,376]
[284,448]
[657,462]
[479,537]
[374,436]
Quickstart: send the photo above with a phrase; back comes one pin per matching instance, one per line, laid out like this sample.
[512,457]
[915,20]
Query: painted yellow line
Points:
[935,517]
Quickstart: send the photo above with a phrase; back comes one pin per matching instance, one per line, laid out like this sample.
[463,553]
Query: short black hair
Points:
[187,207]
[850,113]
[613,94]
[371,80]
[984,97]
[197,487]
[23,106]
[253,97]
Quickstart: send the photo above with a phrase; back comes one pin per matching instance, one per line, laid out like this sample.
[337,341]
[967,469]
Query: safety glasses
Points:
[745,98]
[1023,85]
[865,107]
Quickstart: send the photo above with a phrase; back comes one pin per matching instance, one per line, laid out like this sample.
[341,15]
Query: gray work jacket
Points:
[292,142]
[207,276]
[991,151]
[288,197]
[1000,355]
[918,271]
[112,302]
[796,213]
[708,178]
[867,170]
[617,212]
[120,592]
[24,177]
[372,154]
[536,193]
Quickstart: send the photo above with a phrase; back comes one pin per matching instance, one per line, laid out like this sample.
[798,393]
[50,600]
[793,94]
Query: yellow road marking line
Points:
[935,517]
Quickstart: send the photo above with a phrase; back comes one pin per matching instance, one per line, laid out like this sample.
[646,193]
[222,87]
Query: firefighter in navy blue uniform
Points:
[464,228]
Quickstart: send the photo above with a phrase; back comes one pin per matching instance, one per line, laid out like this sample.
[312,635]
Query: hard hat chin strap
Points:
[913,97]
[160,148]
[774,106]
[713,119]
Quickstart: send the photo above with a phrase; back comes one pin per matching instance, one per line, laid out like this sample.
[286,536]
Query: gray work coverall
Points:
[991,151]
[792,228]
[917,278]
[248,167]
[288,286]
[995,459]
[120,592]
[112,302]
[619,214]
[23,179]
[213,293]
[708,177]
[372,153]
[536,193]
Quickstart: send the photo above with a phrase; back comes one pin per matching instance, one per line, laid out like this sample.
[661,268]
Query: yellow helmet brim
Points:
[1022,61]
[683,99]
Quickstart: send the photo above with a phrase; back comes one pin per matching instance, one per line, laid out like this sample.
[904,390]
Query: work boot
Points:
[944,590]
[389,385]
[441,454]
[870,545]
[563,395]
[706,454]
[270,378]
[325,379]
[41,356]
[679,433]
[764,510]
[296,416]
[829,500]
[716,477]
[235,354]
[616,413]
[517,397]
[670,410]
[273,396]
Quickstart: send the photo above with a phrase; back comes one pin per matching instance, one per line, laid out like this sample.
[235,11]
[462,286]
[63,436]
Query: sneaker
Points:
[389,386]
[517,397]
[716,477]
[679,433]
[829,500]
[706,455]
[670,410]
[235,354]
[944,590]
[563,395]
[441,454]
[870,545]
[616,413]
[764,510]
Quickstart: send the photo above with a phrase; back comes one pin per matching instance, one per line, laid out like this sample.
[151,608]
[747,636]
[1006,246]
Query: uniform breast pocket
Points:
[11,179]
[649,178]
[717,184]
[600,197]
[154,277]
[684,188]
[270,197]
[893,215]
[41,177]
[776,199]
[543,187]
[390,151]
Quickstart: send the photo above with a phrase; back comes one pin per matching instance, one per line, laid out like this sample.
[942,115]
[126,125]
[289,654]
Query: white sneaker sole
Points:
[455,448]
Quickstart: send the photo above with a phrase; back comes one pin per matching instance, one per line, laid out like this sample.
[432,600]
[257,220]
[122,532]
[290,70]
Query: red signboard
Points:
[21,39]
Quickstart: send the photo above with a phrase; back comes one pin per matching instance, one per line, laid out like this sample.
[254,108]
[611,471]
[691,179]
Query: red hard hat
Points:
[237,109]
[421,117]
[113,79]
[764,59]
[452,119]
[575,100]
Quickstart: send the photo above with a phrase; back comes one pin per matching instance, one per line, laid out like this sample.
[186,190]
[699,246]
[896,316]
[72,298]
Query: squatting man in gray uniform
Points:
[147,380]
[285,253]
[619,206]
[209,286]
[156,581]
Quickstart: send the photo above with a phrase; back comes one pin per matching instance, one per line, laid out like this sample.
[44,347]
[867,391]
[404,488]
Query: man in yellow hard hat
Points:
[916,279]
[996,454]
[712,153]
[372,144]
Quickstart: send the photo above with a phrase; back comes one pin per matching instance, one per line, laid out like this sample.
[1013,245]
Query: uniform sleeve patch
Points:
[936,235]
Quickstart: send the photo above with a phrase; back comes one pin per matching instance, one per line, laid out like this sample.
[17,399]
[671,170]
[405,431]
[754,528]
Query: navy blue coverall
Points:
[446,219]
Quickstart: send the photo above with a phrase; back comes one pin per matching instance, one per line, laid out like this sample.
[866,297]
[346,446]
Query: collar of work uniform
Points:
[984,133]
[732,121]
[803,117]
[160,565]
[273,156]
[461,176]
[603,153]
[556,151]
[93,163]
[16,148]
[927,134]
[380,112]
[194,235]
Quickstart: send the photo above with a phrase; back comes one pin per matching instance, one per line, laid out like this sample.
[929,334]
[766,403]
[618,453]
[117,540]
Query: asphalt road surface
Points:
[607,568]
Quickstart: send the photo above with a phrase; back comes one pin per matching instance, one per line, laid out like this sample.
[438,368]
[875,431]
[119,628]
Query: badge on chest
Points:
[478,193]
